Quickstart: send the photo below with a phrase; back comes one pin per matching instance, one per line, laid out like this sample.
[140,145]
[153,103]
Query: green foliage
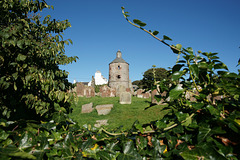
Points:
[208,126]
[153,75]
[97,88]
[32,87]
[31,52]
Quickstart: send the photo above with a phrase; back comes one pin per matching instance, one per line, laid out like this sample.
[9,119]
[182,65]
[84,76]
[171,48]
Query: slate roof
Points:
[119,59]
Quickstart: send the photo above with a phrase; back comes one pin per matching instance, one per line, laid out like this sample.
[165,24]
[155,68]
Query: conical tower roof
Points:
[118,58]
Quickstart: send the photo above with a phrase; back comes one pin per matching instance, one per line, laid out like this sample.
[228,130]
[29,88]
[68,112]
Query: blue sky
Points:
[99,30]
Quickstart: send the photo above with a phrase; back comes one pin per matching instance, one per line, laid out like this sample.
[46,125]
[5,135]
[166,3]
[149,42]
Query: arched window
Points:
[119,67]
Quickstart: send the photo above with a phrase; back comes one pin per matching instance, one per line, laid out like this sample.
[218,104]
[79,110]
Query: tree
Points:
[153,75]
[137,82]
[31,49]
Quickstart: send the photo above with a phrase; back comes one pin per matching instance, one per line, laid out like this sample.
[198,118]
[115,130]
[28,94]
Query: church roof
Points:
[119,59]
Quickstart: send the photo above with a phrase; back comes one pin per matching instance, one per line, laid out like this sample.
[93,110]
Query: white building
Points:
[99,79]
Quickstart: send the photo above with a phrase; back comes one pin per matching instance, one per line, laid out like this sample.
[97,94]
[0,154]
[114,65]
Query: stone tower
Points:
[118,72]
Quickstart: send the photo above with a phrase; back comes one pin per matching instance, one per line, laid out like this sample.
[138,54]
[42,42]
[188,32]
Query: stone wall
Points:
[84,91]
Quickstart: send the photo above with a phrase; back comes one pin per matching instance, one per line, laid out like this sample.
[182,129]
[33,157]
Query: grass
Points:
[121,114]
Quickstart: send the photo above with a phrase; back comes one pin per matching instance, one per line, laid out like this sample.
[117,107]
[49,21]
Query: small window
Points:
[118,76]
[119,67]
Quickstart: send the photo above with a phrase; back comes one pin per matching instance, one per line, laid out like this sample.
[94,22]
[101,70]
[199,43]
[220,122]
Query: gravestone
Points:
[153,99]
[106,91]
[140,91]
[104,109]
[131,87]
[125,98]
[87,108]
[120,89]
[146,95]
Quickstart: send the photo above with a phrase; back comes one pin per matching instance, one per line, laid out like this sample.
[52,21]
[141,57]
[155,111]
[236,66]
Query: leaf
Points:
[212,110]
[41,149]
[140,23]
[26,141]
[3,135]
[203,133]
[175,49]
[234,127]
[220,66]
[177,75]
[231,75]
[104,155]
[206,152]
[189,50]
[21,57]
[142,143]
[61,96]
[166,38]
[212,54]
[15,86]
[70,41]
[181,116]
[22,155]
[197,106]
[155,33]
[178,129]
[194,69]
[177,67]
[20,44]
[179,46]
[139,127]
[129,152]
[161,125]
[58,117]
[176,92]
[202,65]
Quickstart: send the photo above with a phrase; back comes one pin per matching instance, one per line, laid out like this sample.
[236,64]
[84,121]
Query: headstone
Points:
[100,123]
[125,98]
[153,99]
[87,108]
[146,95]
[104,109]
[131,86]
[80,89]
[120,89]
[139,91]
[106,91]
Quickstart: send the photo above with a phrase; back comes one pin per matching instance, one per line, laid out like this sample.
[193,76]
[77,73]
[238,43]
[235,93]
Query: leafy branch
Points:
[139,24]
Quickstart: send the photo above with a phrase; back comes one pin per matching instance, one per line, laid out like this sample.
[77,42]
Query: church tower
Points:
[118,72]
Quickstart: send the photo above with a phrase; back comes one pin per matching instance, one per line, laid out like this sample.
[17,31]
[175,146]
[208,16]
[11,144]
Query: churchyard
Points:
[121,115]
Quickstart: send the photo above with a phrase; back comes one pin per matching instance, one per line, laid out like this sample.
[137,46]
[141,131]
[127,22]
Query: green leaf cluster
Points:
[203,97]
[31,51]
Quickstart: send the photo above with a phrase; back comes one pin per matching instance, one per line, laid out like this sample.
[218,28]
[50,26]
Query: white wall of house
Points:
[99,79]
